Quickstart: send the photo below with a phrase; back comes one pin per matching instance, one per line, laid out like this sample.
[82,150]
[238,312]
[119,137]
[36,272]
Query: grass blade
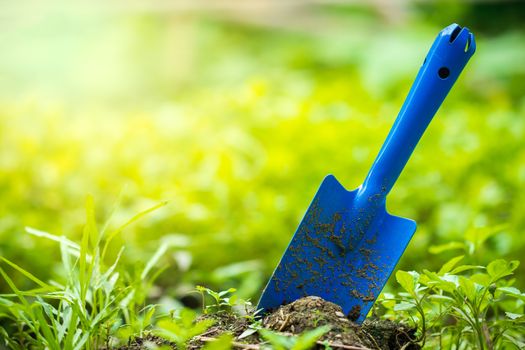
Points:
[13,287]
[129,222]
[47,332]
[112,212]
[26,273]
[90,229]
[38,233]
[68,341]
[154,259]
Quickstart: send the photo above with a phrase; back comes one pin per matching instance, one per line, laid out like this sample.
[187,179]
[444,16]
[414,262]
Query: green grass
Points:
[90,305]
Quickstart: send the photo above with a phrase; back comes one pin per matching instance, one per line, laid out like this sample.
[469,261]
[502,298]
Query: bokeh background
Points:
[234,111]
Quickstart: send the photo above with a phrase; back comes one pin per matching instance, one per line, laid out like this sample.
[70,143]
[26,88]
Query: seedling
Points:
[304,341]
[182,328]
[222,301]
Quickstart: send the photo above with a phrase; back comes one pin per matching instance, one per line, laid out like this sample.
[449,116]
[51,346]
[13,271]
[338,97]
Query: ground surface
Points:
[302,315]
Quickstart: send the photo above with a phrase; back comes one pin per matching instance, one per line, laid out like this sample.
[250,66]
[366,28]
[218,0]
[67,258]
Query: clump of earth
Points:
[295,318]
[311,312]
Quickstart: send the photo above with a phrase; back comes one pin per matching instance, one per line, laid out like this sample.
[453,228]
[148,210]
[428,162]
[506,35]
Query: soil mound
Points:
[312,312]
[303,315]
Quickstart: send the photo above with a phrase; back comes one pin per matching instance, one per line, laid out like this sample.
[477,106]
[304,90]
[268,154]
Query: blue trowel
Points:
[347,244]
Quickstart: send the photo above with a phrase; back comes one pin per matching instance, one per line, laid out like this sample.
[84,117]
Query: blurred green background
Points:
[234,111]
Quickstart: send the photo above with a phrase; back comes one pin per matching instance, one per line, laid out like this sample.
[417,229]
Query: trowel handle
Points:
[446,59]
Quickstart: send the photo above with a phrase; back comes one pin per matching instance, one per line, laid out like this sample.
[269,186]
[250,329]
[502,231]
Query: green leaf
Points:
[47,334]
[27,274]
[437,249]
[278,342]
[200,327]
[511,291]
[441,298]
[182,329]
[148,316]
[129,222]
[52,237]
[112,212]
[84,275]
[224,292]
[82,340]
[513,316]
[169,330]
[15,289]
[387,300]
[187,316]
[441,282]
[463,268]
[478,235]
[500,268]
[247,333]
[90,229]
[482,279]
[518,343]
[224,342]
[468,288]
[307,339]
[154,259]
[407,280]
[72,326]
[109,272]
[449,265]
[403,306]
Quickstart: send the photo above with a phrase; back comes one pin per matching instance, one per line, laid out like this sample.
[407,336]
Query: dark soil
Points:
[311,312]
[303,315]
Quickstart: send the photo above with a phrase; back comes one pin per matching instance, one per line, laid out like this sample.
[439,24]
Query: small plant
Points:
[223,301]
[181,328]
[254,326]
[223,342]
[304,341]
[463,306]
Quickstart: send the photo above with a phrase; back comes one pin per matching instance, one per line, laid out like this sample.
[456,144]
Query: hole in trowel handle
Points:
[454,34]
[443,72]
